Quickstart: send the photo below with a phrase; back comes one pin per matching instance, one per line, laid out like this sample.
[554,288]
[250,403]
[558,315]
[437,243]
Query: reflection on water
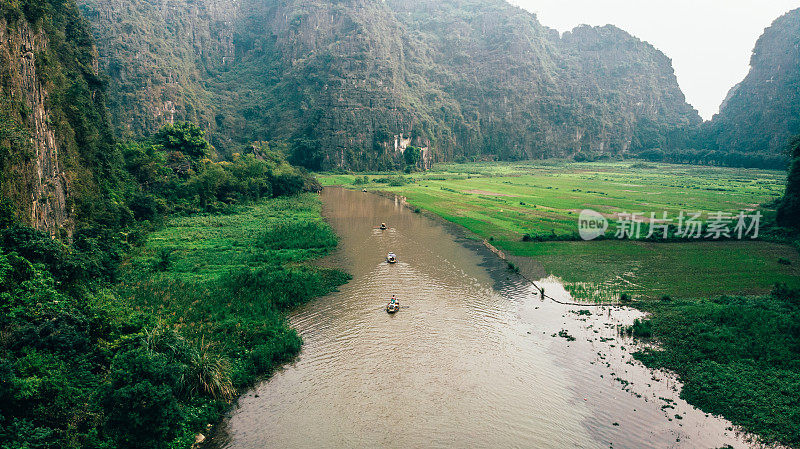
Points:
[470,361]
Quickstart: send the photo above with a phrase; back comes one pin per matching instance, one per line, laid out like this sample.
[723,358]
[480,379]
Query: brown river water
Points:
[472,360]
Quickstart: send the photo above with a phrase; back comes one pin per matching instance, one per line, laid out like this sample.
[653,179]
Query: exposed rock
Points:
[44,204]
[476,79]
[762,113]
[55,142]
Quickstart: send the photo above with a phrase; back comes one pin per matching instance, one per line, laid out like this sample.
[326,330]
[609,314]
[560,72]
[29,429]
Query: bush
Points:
[640,328]
[142,408]
[397,181]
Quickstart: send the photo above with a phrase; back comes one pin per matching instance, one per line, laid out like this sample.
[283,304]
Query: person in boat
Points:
[383,225]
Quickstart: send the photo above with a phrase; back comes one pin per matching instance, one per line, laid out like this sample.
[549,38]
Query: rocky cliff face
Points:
[627,84]
[158,53]
[347,79]
[761,113]
[37,183]
[54,131]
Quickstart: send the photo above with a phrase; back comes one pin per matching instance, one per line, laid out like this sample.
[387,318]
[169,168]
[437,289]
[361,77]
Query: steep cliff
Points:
[329,73]
[628,85]
[761,113]
[354,81]
[157,54]
[54,137]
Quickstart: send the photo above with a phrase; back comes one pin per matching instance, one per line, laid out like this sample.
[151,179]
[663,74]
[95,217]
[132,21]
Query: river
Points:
[473,359]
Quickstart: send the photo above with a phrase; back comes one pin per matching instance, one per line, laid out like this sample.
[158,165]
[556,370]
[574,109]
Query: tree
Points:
[412,156]
[307,153]
[139,399]
[186,138]
[789,209]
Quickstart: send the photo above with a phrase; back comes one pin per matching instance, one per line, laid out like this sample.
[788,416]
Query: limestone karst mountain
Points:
[352,82]
[56,146]
[762,113]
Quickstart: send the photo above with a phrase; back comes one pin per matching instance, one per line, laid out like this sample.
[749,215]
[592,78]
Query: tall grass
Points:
[221,285]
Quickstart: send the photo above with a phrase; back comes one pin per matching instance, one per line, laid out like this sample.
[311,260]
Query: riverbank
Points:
[504,202]
[735,356]
[222,284]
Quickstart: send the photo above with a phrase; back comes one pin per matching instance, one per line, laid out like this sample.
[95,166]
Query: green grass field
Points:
[504,201]
[214,277]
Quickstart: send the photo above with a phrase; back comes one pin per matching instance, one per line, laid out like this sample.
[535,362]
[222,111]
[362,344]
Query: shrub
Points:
[640,328]
[361,180]
[564,334]
[140,401]
[397,181]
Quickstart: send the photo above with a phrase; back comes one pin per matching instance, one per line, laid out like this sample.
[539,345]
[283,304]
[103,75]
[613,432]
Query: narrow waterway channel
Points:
[473,359]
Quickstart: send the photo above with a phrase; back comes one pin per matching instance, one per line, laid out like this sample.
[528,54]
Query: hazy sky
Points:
[709,41]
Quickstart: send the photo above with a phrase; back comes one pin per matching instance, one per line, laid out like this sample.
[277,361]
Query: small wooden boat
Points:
[393,307]
[391,258]
[383,226]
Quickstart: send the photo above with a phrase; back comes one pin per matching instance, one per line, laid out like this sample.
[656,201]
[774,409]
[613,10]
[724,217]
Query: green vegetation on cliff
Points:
[57,154]
[350,82]
[789,207]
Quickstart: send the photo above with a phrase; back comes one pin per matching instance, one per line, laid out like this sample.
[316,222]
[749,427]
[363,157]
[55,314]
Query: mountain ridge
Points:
[351,83]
